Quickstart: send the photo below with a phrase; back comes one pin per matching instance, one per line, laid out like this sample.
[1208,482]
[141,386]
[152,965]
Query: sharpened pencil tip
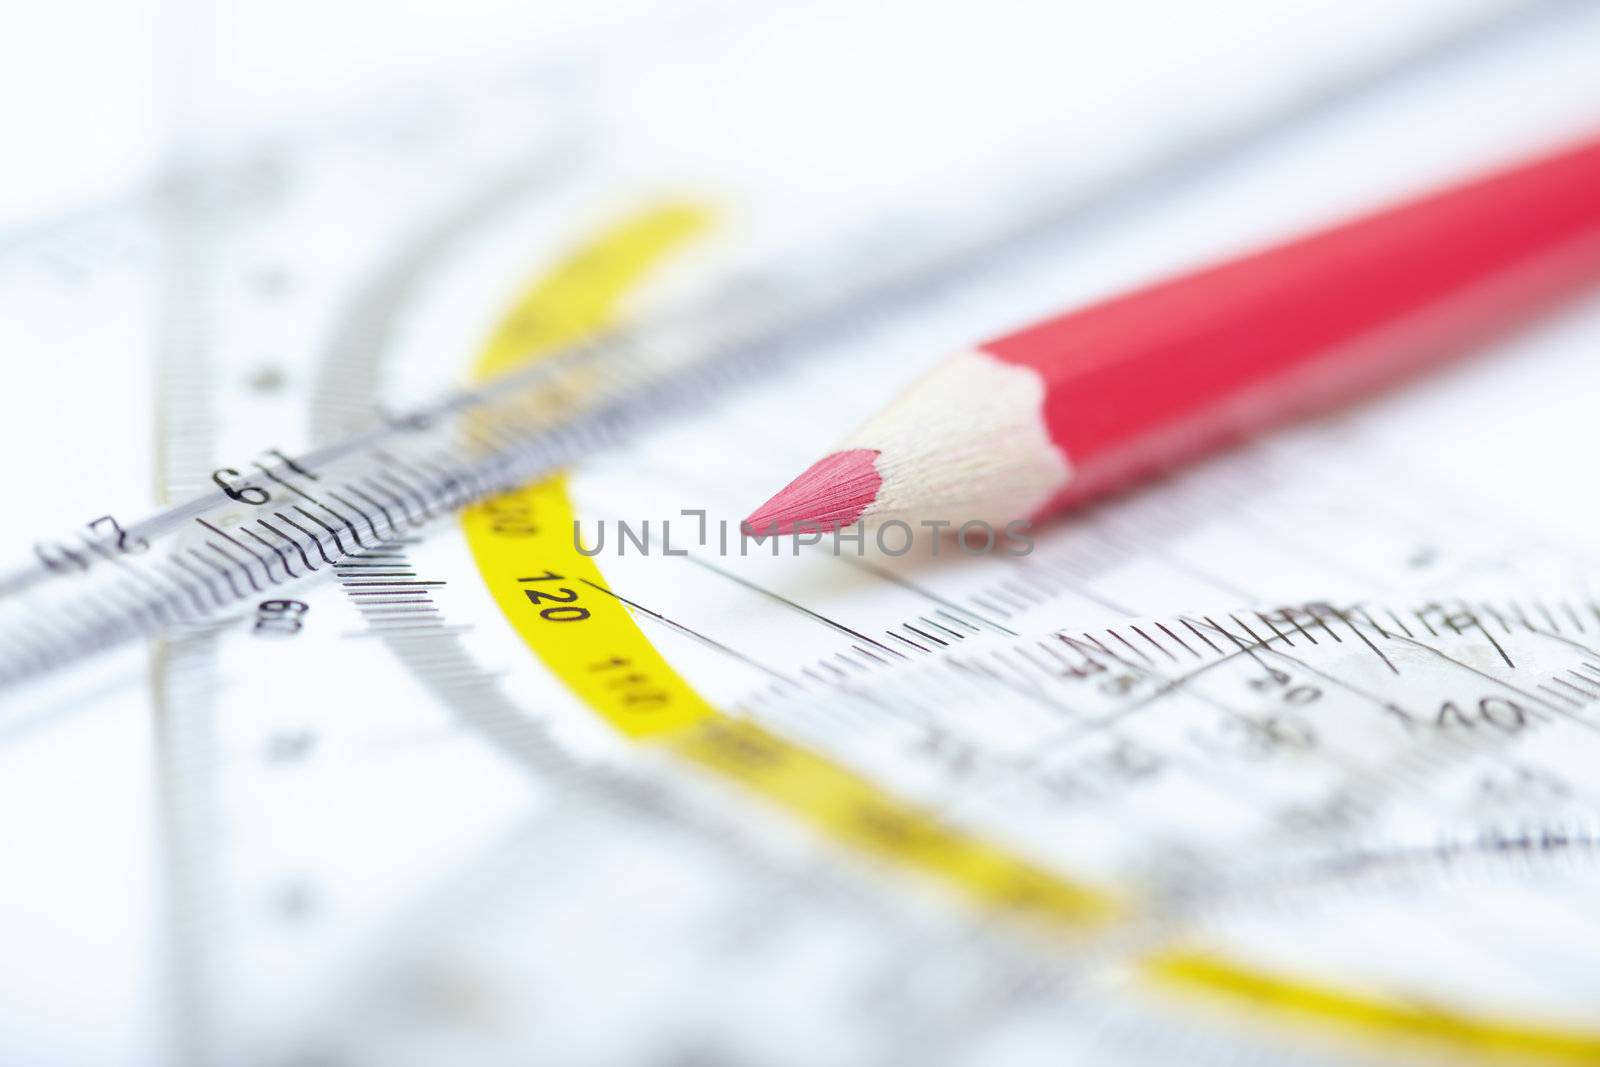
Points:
[832,493]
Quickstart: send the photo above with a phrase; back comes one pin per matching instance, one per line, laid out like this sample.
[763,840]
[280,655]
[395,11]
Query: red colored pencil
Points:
[1087,402]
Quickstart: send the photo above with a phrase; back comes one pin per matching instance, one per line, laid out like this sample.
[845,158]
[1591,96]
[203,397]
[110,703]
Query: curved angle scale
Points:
[558,602]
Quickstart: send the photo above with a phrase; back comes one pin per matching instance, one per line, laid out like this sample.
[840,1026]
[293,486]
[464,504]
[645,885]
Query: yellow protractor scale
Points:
[1398,1027]
[556,600]
[553,596]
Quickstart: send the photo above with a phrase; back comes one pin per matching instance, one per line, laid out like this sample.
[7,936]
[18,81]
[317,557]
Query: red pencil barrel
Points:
[1151,378]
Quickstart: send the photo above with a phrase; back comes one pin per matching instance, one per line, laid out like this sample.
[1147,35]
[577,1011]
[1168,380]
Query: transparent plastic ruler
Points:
[1294,799]
[264,525]
[805,808]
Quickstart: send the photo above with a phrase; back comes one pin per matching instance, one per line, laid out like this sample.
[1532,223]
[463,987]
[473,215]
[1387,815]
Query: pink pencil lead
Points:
[831,493]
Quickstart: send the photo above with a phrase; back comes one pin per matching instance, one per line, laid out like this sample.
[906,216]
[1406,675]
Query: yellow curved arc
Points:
[522,543]
[578,296]
[1296,1001]
[554,597]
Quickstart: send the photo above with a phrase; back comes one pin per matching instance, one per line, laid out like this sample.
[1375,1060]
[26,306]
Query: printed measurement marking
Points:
[560,604]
